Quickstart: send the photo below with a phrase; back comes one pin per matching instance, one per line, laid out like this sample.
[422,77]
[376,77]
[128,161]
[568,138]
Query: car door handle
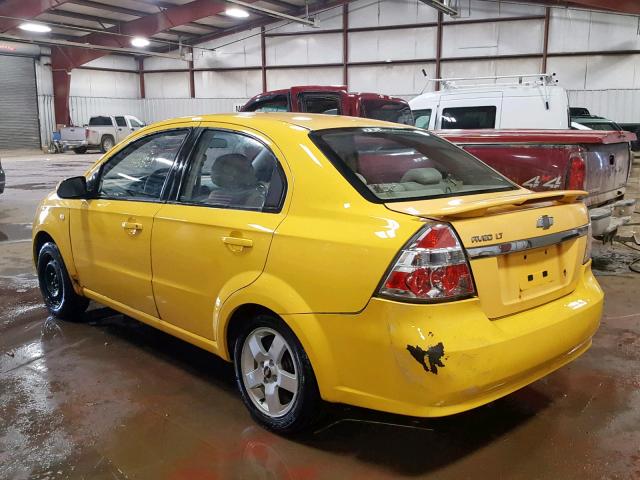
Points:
[238,242]
[132,227]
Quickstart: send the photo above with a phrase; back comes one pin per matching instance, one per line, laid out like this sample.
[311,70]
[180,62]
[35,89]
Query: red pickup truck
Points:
[592,160]
[332,100]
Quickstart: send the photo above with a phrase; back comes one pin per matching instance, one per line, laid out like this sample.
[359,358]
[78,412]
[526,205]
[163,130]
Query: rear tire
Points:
[55,285]
[107,143]
[275,377]
[80,150]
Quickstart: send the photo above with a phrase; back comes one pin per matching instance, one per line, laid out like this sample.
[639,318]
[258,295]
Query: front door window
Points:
[139,171]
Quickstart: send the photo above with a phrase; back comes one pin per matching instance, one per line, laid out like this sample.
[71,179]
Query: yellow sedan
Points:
[329,258]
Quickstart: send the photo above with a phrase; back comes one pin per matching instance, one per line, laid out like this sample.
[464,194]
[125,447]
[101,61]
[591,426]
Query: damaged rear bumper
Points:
[441,359]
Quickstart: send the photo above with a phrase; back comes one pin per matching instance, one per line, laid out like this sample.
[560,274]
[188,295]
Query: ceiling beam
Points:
[109,8]
[631,7]
[67,58]
[296,12]
[621,6]
[280,3]
[23,9]
[82,16]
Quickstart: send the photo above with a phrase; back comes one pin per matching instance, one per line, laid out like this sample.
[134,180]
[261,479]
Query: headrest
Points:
[425,176]
[233,170]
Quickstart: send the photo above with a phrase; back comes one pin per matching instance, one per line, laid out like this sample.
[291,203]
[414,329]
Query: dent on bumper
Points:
[435,360]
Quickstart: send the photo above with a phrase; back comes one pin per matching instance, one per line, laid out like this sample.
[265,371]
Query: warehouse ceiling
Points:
[82,20]
[170,23]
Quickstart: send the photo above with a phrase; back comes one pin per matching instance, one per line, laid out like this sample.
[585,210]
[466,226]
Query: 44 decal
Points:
[535,182]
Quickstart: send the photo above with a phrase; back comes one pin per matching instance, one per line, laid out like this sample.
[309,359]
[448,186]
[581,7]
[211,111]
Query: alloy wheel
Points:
[269,372]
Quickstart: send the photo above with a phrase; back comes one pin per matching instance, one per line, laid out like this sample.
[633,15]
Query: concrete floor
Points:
[112,398]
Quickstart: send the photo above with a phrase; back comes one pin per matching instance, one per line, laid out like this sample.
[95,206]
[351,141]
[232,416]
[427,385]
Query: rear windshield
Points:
[100,121]
[395,112]
[394,164]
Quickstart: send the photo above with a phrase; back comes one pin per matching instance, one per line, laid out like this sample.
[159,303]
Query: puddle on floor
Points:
[33,186]
[15,231]
[613,259]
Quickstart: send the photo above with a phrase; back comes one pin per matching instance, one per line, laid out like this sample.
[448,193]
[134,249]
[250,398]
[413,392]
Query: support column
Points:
[545,46]
[438,49]
[263,53]
[61,74]
[192,80]
[141,75]
[345,44]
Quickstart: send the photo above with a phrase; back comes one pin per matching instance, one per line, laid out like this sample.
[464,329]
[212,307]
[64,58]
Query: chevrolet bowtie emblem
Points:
[544,222]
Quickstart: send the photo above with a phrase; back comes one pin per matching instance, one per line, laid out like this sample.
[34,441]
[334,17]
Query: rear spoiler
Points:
[479,208]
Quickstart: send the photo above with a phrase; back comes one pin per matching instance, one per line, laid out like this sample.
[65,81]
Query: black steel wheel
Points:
[55,285]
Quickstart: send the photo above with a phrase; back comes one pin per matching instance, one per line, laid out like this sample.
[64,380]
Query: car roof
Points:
[308,121]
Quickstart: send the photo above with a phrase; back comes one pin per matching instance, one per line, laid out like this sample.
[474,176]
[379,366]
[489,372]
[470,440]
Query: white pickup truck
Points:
[103,132]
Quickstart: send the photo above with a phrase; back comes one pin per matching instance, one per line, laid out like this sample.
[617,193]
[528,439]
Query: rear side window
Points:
[100,122]
[422,118]
[232,170]
[469,117]
[121,122]
[327,104]
[394,164]
[389,111]
[277,103]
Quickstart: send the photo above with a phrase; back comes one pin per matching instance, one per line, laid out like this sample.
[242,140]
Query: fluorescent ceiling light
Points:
[34,27]
[236,12]
[139,42]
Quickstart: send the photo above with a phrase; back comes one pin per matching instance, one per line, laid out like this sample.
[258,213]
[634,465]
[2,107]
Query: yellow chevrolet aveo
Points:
[329,258]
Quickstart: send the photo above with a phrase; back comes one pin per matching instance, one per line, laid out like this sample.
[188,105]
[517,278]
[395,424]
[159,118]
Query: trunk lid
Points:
[524,249]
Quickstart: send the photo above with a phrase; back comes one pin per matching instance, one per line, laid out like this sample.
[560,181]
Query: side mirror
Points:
[74,187]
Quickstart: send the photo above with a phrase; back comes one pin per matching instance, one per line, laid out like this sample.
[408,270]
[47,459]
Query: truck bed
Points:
[540,159]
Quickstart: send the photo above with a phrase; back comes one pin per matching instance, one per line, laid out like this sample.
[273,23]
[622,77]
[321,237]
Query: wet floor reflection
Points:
[108,397]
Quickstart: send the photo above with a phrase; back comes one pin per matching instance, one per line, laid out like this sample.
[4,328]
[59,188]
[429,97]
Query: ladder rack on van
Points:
[542,79]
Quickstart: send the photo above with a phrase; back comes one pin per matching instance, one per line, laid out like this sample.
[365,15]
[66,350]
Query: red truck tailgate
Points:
[540,160]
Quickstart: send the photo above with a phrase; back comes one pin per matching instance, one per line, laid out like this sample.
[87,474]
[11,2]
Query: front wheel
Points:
[55,285]
[275,377]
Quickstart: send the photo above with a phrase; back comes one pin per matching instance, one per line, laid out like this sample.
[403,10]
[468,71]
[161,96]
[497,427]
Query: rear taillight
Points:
[431,267]
[86,133]
[577,172]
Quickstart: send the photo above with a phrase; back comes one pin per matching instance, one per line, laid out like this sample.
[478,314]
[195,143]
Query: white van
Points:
[525,104]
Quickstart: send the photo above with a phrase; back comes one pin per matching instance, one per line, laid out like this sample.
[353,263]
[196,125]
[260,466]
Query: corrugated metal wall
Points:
[149,109]
[622,105]
[18,103]
[47,118]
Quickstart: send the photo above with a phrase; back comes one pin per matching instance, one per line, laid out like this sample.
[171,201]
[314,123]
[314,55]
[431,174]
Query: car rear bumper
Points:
[441,359]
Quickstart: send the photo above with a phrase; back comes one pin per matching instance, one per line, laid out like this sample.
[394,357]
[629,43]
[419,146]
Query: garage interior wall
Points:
[488,38]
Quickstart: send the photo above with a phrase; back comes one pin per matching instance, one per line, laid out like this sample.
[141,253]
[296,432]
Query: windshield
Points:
[389,111]
[393,164]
